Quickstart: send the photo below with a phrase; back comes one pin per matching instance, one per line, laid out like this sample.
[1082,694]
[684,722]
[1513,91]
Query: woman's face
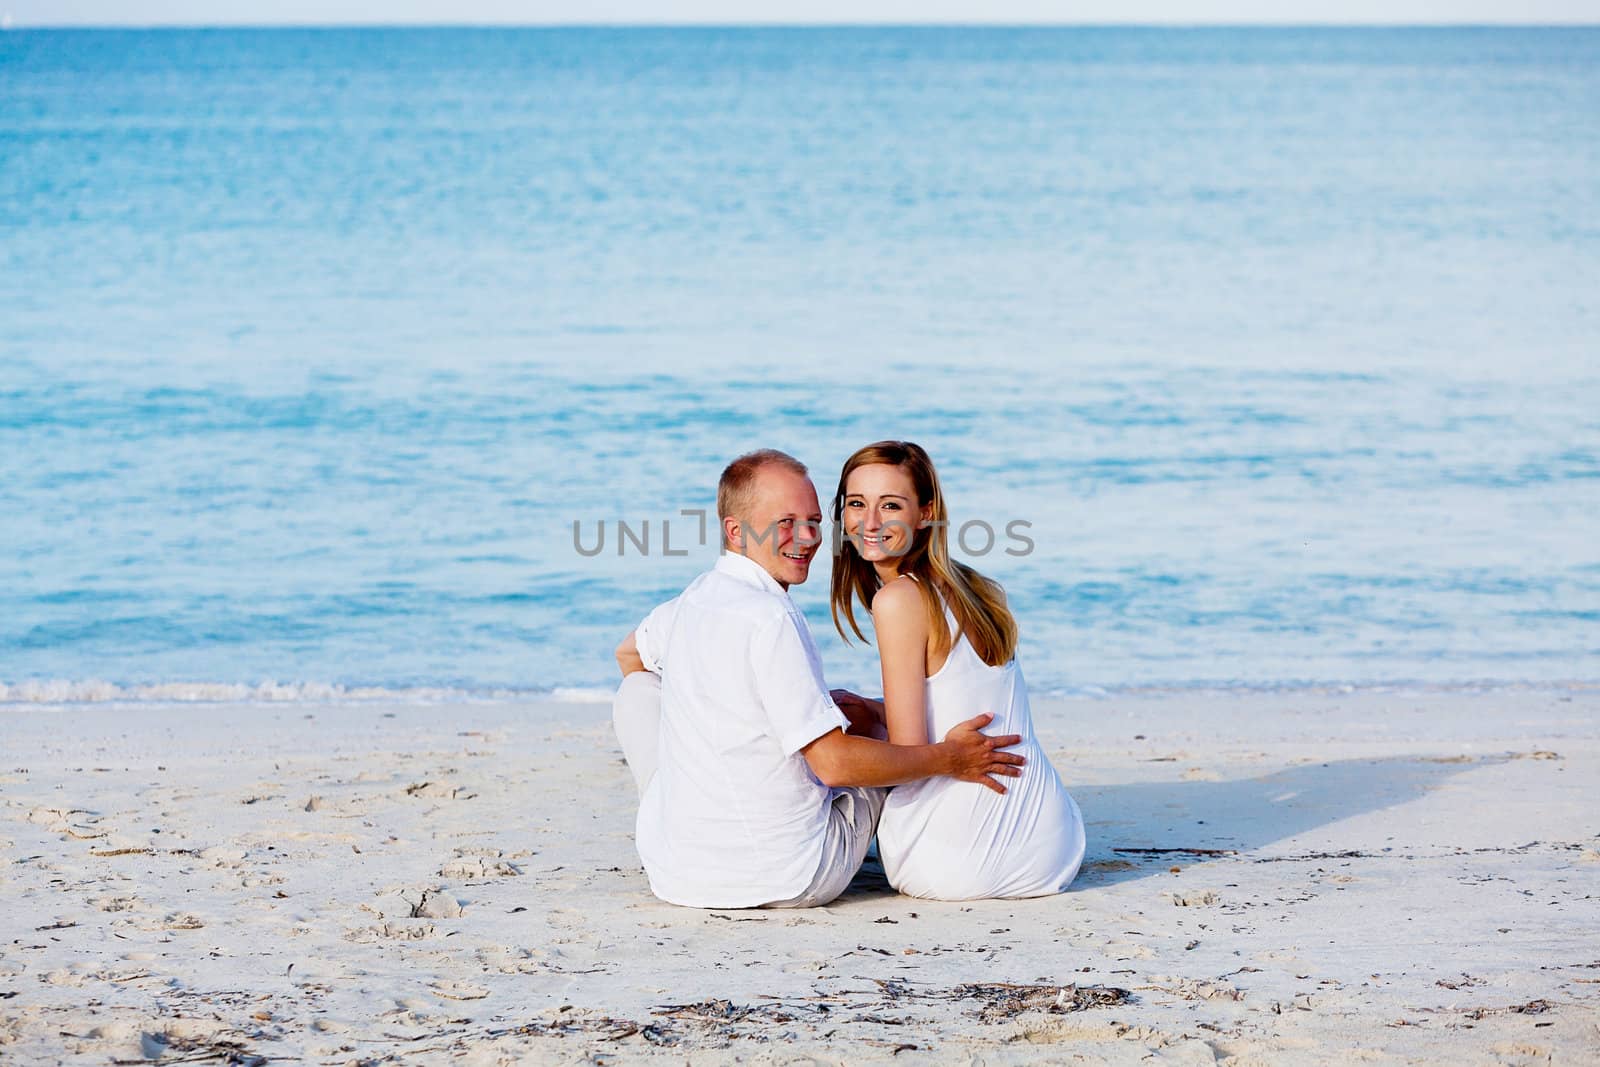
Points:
[880,513]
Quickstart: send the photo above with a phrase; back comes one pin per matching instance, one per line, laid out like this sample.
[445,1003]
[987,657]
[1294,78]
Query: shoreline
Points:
[22,696]
[1300,878]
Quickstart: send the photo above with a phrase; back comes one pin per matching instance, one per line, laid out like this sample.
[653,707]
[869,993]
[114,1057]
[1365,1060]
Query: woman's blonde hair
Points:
[978,603]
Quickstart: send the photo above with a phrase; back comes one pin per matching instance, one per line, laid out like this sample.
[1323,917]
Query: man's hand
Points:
[628,658]
[975,756]
[865,715]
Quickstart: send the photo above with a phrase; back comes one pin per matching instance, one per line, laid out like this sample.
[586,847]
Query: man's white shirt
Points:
[734,817]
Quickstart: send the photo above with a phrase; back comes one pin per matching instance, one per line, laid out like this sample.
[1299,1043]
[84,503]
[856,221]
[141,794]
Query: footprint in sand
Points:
[1195,989]
[191,1036]
[415,902]
[351,806]
[327,1024]
[125,1034]
[391,931]
[250,880]
[219,856]
[73,975]
[1194,898]
[566,918]
[459,991]
[412,1010]
[476,864]
[240,861]
[806,962]
[1125,950]
[504,960]
[69,822]
[439,791]
[116,903]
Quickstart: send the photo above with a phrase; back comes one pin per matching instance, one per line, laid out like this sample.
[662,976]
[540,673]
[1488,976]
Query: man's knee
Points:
[636,717]
[638,695]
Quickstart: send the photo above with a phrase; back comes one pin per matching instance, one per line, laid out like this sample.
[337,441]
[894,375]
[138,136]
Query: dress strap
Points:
[949,616]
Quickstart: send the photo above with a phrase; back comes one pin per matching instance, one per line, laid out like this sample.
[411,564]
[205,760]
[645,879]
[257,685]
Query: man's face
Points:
[784,527]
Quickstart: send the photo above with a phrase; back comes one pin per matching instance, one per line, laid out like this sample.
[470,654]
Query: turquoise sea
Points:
[1284,345]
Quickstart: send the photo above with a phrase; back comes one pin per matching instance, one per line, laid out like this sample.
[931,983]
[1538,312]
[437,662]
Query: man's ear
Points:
[732,534]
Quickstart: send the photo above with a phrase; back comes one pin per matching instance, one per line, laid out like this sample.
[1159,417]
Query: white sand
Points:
[1413,877]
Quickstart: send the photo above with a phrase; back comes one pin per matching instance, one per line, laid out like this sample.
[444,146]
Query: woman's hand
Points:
[864,713]
[975,757]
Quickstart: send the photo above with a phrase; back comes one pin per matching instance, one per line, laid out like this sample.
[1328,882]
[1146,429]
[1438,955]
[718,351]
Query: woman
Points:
[946,644]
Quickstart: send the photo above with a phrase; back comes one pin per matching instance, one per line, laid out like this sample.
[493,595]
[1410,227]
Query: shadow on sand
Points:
[1241,815]
[1227,819]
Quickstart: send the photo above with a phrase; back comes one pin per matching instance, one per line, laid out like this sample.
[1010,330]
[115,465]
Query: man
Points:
[755,789]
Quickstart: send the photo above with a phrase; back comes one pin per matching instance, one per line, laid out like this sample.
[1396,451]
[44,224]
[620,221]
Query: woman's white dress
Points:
[956,840]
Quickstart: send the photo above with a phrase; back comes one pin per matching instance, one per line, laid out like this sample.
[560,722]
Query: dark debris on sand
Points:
[716,1012]
[1533,1007]
[725,1020]
[603,1027]
[173,1049]
[1001,1001]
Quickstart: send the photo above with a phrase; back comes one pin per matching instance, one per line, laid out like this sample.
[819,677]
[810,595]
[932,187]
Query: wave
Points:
[1331,688]
[63,693]
[96,691]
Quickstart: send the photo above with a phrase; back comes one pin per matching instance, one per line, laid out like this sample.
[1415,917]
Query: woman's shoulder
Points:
[896,600]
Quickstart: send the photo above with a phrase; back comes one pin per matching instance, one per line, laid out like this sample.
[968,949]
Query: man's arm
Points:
[628,658]
[805,720]
[839,759]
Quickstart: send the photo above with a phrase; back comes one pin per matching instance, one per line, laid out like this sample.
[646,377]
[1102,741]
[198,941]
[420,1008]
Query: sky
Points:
[21,13]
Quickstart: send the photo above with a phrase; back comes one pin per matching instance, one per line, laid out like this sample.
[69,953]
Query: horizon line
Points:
[1592,23]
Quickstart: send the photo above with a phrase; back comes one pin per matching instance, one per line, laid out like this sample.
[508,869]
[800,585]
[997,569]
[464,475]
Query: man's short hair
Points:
[736,487]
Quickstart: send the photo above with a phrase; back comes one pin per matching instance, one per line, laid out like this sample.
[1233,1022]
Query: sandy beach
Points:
[1384,877]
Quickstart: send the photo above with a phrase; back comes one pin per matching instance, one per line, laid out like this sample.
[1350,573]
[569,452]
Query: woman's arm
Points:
[900,622]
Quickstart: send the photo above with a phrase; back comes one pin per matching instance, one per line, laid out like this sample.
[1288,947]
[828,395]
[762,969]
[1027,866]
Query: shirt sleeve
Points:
[651,636]
[798,709]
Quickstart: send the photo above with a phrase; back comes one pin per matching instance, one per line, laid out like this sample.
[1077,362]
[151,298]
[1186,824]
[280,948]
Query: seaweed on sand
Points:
[1002,1000]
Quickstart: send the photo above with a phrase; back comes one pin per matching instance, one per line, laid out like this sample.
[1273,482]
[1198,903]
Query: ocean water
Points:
[1279,348]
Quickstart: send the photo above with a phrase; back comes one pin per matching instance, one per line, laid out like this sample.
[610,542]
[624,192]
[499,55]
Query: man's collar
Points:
[749,572]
